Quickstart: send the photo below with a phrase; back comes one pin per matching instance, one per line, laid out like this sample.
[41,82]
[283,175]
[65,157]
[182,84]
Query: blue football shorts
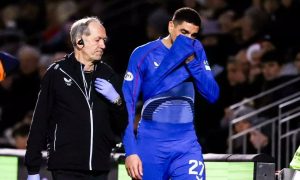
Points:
[169,151]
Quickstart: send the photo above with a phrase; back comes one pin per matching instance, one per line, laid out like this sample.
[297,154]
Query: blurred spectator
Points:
[8,64]
[60,16]
[253,55]
[234,87]
[16,135]
[211,41]
[257,49]
[194,4]
[11,40]
[239,7]
[271,63]
[255,139]
[28,117]
[47,60]
[9,16]
[31,18]
[241,56]
[20,135]
[214,40]
[297,61]
[238,84]
[213,9]
[21,88]
[29,57]
[271,6]
[284,27]
[157,22]
[227,21]
[253,25]
[44,63]
[257,4]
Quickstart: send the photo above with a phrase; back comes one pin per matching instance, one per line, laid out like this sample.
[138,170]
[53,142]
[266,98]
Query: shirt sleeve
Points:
[131,91]
[203,77]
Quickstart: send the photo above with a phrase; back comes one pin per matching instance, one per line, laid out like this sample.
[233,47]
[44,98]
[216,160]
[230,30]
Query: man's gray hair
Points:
[80,28]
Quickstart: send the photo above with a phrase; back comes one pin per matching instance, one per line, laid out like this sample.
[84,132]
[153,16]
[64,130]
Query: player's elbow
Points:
[213,99]
[214,95]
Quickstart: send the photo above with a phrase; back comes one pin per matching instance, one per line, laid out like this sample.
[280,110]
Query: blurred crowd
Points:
[251,45]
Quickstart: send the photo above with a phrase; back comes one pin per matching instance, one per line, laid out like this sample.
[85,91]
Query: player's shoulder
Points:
[146,48]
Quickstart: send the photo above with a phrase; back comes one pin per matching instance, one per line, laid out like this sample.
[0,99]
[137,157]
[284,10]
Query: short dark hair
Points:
[187,14]
[272,56]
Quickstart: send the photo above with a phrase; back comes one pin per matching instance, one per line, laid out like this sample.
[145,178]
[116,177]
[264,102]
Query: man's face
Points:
[28,62]
[271,70]
[297,62]
[242,126]
[235,74]
[94,44]
[187,29]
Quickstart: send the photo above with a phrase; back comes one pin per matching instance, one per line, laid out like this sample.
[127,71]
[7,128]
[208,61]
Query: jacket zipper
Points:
[92,136]
[54,144]
[91,119]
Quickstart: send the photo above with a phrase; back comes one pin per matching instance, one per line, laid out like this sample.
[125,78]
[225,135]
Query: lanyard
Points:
[87,88]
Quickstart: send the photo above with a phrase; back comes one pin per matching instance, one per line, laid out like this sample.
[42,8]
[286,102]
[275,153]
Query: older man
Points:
[75,117]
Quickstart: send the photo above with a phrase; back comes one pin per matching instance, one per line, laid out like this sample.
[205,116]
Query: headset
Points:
[80,42]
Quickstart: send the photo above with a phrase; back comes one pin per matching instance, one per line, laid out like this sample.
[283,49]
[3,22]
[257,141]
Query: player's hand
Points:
[134,166]
[258,139]
[190,58]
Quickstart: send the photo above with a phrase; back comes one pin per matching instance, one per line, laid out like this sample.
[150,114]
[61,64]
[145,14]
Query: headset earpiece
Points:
[80,42]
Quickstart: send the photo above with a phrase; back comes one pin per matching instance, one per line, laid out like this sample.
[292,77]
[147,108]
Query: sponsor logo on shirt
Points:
[128,76]
[206,65]
[68,81]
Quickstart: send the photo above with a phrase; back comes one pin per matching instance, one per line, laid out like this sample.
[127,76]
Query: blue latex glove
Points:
[106,89]
[33,177]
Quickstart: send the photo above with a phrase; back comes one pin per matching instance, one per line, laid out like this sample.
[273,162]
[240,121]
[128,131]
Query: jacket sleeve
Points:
[131,90]
[203,77]
[39,126]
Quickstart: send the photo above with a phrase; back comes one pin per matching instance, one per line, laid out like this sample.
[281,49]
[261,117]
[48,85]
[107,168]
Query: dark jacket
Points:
[78,132]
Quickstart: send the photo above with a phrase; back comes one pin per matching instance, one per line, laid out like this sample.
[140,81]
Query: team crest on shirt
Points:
[206,65]
[155,64]
[68,81]
[128,76]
